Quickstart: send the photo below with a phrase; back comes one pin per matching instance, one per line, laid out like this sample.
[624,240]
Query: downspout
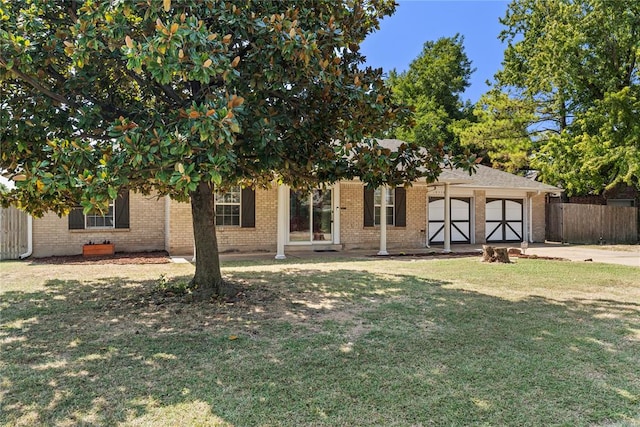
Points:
[29,239]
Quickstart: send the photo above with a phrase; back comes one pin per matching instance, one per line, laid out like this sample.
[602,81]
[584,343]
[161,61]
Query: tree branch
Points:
[37,86]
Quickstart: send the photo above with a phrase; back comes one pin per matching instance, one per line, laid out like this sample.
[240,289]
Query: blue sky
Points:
[402,35]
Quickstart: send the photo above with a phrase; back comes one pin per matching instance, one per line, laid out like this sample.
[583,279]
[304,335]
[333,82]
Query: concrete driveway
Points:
[619,254]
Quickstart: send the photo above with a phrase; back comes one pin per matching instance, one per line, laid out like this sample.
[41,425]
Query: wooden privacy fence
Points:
[577,223]
[13,233]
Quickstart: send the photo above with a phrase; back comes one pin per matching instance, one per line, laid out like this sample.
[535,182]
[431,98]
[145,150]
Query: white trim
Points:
[383,220]
[112,205]
[335,195]
[447,219]
[216,203]
[472,220]
[167,223]
[282,221]
[530,219]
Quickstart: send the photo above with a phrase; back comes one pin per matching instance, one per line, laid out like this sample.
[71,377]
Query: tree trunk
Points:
[501,255]
[207,281]
[491,254]
[487,253]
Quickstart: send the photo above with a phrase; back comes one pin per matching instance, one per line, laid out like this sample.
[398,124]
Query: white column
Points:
[281,235]
[447,219]
[336,213]
[383,221]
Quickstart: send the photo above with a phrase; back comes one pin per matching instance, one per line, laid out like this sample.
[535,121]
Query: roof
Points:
[483,177]
[487,177]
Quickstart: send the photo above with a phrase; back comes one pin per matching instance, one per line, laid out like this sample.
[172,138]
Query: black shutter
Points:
[368,207]
[122,209]
[76,219]
[248,207]
[401,207]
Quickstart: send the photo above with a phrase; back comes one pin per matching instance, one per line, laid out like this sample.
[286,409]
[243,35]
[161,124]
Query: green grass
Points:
[325,342]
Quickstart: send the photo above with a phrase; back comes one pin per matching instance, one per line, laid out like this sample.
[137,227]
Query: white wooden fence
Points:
[13,233]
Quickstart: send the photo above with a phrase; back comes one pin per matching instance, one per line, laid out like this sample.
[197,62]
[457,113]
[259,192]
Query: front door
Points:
[310,216]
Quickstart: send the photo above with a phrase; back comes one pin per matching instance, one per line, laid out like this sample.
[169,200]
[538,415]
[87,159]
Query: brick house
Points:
[488,206]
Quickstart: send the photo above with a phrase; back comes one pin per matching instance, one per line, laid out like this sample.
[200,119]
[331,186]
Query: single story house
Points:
[489,206]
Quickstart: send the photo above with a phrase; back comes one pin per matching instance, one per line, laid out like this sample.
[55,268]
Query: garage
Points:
[460,220]
[504,220]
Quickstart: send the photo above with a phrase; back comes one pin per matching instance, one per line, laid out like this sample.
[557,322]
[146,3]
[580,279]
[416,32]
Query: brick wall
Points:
[353,233]
[539,224]
[51,234]
[480,201]
[262,237]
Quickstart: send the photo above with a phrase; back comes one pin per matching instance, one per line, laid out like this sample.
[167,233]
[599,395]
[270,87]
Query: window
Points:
[236,207]
[396,207]
[377,203]
[117,215]
[97,219]
[227,207]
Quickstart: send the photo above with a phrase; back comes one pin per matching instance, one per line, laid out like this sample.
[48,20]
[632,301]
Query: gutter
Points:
[29,239]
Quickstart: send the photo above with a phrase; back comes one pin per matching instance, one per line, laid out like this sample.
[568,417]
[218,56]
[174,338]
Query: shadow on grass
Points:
[302,346]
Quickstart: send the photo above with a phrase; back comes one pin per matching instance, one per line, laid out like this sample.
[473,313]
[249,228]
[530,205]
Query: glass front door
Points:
[310,216]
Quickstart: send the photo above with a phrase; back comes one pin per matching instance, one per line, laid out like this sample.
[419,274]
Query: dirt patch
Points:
[158,257]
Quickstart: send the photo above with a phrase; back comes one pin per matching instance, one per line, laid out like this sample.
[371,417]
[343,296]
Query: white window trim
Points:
[112,207]
[391,219]
[216,203]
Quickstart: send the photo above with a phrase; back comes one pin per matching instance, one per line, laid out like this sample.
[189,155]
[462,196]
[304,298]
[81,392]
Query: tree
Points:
[433,86]
[504,127]
[575,63]
[186,98]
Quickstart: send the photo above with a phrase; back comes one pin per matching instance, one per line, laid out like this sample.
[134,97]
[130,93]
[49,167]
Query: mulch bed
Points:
[158,257]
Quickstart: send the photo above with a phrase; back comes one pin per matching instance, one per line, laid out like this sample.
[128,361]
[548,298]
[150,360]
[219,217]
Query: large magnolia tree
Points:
[184,98]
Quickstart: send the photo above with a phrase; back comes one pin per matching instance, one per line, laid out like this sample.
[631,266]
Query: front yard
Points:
[325,342]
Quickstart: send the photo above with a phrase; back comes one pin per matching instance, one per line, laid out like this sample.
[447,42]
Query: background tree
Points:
[176,98]
[433,86]
[573,65]
[504,129]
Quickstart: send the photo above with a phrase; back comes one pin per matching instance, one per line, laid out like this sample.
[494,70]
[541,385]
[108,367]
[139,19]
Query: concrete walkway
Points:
[613,254]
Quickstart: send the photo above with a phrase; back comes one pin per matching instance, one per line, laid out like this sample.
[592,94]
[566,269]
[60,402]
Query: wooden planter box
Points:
[98,249]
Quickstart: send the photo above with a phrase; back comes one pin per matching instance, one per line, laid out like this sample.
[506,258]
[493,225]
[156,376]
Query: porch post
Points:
[447,219]
[336,213]
[281,234]
[383,221]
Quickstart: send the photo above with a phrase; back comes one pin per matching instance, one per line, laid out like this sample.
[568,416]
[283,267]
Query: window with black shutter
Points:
[117,215]
[236,207]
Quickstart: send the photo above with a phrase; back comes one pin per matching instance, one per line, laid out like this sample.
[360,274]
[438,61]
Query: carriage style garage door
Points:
[504,220]
[460,220]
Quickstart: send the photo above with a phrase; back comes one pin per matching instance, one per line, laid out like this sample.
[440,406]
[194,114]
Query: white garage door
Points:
[460,220]
[503,220]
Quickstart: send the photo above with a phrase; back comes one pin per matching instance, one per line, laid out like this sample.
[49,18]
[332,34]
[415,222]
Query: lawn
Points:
[349,342]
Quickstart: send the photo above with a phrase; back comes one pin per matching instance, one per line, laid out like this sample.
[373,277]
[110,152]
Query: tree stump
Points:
[491,254]
[487,253]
